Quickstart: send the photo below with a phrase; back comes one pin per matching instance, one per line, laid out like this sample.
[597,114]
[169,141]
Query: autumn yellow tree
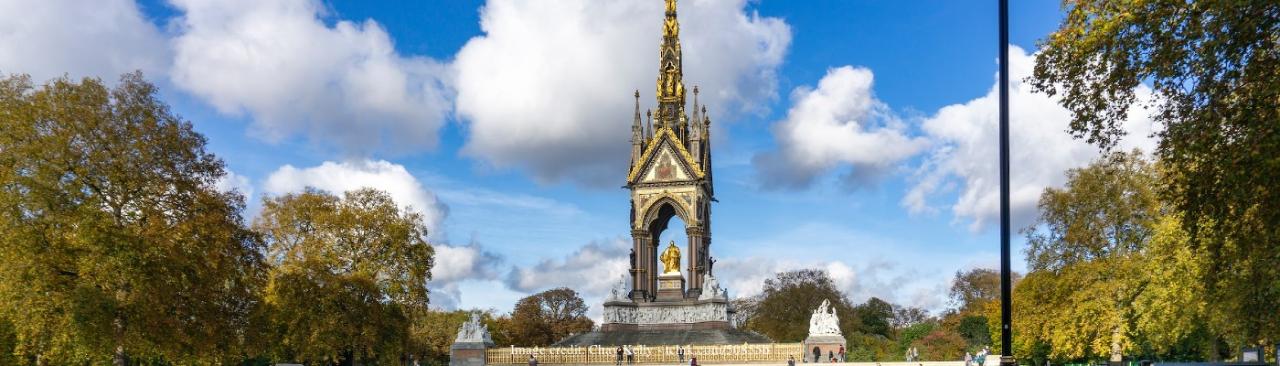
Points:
[1211,68]
[348,274]
[1085,256]
[114,241]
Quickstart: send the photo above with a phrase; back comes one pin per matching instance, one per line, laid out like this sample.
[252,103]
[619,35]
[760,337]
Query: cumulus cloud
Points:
[838,123]
[547,87]
[338,177]
[965,158]
[454,264]
[463,262]
[104,39]
[279,62]
[591,270]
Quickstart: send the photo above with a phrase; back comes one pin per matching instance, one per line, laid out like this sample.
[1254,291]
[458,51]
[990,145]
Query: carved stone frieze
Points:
[655,315]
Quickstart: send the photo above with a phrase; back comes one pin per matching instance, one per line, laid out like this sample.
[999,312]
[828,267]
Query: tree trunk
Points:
[1116,355]
[119,359]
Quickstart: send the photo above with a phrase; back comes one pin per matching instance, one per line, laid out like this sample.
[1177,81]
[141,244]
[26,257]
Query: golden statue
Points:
[671,259]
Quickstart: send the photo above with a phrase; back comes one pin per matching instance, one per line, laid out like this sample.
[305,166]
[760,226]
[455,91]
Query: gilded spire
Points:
[670,74]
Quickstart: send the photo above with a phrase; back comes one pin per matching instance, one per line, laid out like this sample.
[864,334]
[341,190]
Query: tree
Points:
[906,316]
[1211,66]
[788,301]
[1086,256]
[974,330]
[549,316]
[745,309]
[875,317]
[940,345]
[348,274]
[972,288]
[115,242]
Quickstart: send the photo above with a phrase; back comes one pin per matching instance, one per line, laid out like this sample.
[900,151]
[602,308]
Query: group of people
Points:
[978,359]
[832,356]
[630,356]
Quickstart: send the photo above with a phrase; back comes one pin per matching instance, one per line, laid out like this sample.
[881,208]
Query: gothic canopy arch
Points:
[652,212]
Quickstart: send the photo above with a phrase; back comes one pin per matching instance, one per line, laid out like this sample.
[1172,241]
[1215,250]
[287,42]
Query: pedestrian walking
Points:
[631,355]
[618,360]
[968,358]
[680,352]
[817,355]
[791,360]
[693,360]
[842,353]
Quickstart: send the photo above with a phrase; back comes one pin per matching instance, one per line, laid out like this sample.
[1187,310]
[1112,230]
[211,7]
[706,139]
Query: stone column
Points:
[640,274]
[697,260]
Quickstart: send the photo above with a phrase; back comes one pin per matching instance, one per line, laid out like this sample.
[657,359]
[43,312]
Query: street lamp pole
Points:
[1006,316]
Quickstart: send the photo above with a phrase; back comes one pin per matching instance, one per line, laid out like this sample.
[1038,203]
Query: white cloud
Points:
[278,61]
[841,122]
[463,262]
[454,264]
[235,182]
[103,39]
[547,88]
[592,271]
[1041,150]
[337,177]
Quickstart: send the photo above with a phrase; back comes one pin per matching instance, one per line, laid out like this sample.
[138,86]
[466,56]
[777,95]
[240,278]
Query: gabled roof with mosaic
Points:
[664,136]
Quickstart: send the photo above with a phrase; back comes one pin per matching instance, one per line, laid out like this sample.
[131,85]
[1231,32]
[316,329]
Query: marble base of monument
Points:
[826,344]
[670,287]
[666,315]
[468,354]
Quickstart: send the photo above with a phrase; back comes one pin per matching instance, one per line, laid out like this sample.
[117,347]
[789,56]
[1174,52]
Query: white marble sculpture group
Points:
[824,321]
[473,331]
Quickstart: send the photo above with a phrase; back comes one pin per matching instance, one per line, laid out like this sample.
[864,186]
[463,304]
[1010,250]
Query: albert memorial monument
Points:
[670,294]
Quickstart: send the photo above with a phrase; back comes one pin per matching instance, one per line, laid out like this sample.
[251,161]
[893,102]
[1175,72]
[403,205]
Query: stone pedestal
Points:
[468,354]
[826,345]
[670,287]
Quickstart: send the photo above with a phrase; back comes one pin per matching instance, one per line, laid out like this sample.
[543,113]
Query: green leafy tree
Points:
[875,317]
[348,275]
[115,242]
[909,335]
[549,316]
[973,328]
[788,301]
[1211,66]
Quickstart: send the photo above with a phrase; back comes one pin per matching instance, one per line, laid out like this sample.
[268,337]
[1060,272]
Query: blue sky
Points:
[854,136]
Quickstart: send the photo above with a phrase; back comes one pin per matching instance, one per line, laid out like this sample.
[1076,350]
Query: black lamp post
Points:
[1006,316]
